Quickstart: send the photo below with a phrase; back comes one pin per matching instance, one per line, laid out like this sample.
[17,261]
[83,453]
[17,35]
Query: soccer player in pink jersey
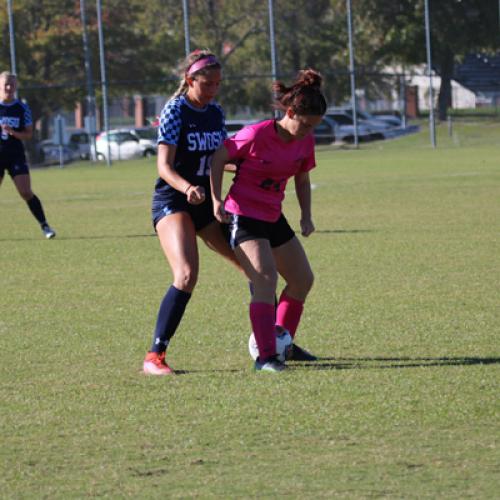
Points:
[269,154]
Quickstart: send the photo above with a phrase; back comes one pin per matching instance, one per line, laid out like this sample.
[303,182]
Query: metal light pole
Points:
[187,36]
[432,126]
[12,40]
[352,74]
[91,115]
[104,83]
[272,41]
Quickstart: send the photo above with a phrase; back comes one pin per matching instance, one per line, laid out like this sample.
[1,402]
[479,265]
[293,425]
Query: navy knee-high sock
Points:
[172,309]
[35,206]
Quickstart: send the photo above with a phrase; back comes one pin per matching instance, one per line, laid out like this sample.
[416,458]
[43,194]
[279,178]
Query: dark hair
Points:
[190,59]
[304,96]
[7,74]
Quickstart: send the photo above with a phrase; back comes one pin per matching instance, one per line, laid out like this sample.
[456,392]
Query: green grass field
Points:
[404,314]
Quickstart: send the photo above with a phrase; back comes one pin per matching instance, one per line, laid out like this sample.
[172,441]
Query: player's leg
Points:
[213,236]
[256,259]
[178,240]
[23,185]
[293,266]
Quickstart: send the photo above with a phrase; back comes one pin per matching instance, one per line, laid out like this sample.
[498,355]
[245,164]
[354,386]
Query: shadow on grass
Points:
[150,235]
[196,371]
[384,363]
[343,231]
[72,238]
[362,364]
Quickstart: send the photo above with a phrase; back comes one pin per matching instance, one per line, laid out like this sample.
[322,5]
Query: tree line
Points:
[144,42]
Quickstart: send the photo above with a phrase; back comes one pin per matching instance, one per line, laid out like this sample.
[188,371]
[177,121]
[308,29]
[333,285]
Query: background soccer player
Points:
[17,126]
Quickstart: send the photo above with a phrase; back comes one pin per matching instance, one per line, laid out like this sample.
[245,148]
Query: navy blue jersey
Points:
[197,133]
[17,115]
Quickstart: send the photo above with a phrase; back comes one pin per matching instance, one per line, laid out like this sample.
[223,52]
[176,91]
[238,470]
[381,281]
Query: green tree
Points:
[458,27]
[48,47]
[50,54]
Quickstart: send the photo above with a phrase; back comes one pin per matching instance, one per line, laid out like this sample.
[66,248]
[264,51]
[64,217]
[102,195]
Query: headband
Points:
[200,64]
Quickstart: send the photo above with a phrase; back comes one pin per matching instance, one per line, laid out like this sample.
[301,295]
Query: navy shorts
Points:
[202,215]
[243,228]
[15,166]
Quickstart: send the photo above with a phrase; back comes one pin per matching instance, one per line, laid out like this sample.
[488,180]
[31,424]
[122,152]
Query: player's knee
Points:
[186,279]
[266,280]
[301,287]
[308,281]
[26,194]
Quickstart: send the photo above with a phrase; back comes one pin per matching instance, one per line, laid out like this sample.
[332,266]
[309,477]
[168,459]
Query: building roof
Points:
[479,73]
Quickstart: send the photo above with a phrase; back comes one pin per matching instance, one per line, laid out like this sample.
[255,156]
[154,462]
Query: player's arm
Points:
[165,164]
[23,135]
[219,160]
[303,191]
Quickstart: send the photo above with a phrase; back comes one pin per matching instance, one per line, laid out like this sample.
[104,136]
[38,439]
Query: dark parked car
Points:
[324,133]
[48,153]
[79,140]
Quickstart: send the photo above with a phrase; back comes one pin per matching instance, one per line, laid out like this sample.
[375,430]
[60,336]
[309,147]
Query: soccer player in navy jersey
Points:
[17,126]
[191,128]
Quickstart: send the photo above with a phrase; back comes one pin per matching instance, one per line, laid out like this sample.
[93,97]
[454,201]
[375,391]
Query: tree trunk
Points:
[446,67]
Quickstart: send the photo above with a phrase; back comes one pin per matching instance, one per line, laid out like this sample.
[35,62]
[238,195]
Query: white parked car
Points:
[148,136]
[124,144]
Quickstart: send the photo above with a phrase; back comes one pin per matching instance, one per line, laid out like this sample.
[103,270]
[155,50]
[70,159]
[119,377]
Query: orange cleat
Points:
[154,364]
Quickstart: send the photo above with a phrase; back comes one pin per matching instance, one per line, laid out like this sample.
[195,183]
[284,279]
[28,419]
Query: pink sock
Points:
[262,318]
[288,313]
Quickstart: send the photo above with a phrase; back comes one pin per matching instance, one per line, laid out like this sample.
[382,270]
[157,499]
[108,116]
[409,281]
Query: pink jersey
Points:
[267,162]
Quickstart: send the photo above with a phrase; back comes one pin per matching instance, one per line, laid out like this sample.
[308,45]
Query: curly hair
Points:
[304,96]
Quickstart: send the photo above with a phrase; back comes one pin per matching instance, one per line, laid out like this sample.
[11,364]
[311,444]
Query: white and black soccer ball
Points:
[283,345]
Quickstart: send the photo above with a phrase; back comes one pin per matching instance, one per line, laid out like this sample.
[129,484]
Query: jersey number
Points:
[205,164]
[271,185]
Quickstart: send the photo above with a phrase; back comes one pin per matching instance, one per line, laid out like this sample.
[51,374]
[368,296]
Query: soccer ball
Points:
[283,345]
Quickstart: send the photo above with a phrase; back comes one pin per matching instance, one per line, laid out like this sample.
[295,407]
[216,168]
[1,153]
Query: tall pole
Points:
[352,74]
[187,36]
[432,126]
[12,40]
[104,83]
[90,125]
[272,41]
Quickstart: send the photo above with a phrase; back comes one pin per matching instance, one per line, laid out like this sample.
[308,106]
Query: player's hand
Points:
[220,214]
[195,195]
[306,227]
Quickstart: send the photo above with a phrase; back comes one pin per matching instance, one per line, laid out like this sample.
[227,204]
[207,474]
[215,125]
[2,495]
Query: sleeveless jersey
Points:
[17,115]
[197,133]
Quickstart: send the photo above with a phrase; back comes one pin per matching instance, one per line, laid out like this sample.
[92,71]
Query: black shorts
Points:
[243,228]
[202,215]
[15,166]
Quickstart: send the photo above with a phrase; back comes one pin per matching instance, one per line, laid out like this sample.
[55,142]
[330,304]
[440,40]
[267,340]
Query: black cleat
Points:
[299,354]
[269,365]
